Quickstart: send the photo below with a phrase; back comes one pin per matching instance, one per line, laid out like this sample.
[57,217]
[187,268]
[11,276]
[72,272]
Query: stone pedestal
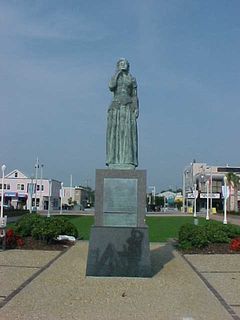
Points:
[120,198]
[119,252]
[119,244]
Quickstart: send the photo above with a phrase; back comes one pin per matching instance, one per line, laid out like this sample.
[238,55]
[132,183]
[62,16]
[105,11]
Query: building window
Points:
[38,187]
[16,174]
[8,186]
[37,202]
[42,187]
[18,186]
[55,203]
[22,186]
[217,186]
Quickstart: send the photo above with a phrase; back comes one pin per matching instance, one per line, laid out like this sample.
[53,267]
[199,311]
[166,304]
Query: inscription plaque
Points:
[120,202]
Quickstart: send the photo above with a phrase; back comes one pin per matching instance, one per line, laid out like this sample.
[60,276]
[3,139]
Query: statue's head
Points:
[123,64]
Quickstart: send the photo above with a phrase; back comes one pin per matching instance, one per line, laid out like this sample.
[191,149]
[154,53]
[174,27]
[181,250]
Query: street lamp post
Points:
[184,191]
[207,215]
[36,176]
[225,195]
[195,193]
[31,193]
[186,204]
[210,183]
[153,193]
[41,178]
[71,185]
[211,191]
[49,198]
[61,197]
[185,172]
[3,176]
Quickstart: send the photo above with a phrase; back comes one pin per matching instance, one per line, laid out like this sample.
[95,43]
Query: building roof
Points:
[16,174]
[167,194]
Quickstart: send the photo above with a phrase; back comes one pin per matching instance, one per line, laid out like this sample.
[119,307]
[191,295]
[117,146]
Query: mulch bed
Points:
[214,248]
[33,244]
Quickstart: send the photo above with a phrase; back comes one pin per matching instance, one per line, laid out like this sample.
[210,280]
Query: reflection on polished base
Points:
[119,252]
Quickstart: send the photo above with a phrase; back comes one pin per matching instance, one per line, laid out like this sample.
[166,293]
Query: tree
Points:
[234,181]
[159,201]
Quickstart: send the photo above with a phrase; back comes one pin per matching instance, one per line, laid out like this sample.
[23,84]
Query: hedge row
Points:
[195,236]
[44,228]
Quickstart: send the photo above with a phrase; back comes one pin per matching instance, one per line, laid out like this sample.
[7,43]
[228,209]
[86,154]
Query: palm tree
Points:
[234,181]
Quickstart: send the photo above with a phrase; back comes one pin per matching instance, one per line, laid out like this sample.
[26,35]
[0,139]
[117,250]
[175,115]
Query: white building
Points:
[198,175]
[78,195]
[20,191]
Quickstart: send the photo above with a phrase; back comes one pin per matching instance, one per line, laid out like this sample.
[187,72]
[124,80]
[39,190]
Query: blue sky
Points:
[56,58]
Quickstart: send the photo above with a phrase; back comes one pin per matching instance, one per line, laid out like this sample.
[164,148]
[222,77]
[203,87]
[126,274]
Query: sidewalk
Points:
[52,285]
[230,218]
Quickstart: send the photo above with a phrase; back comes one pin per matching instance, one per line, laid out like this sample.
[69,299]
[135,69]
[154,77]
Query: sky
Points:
[57,57]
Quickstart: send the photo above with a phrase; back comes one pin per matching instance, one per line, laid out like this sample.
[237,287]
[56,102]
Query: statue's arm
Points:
[113,82]
[135,97]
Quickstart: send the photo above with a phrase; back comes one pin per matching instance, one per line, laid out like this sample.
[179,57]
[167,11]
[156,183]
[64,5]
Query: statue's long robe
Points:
[122,140]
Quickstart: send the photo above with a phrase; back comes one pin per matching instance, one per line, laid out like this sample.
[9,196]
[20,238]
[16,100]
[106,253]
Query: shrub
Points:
[235,244]
[27,223]
[186,234]
[49,228]
[231,230]
[191,235]
[216,233]
[212,232]
[201,238]
[13,240]
[44,228]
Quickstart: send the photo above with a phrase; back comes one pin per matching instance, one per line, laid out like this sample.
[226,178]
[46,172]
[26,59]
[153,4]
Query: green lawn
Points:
[83,224]
[163,228]
[160,228]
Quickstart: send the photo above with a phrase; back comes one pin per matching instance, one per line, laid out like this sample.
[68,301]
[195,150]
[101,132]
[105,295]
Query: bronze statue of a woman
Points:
[122,140]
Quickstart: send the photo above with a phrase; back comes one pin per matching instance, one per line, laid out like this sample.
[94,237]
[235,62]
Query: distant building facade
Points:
[76,195]
[197,174]
[21,191]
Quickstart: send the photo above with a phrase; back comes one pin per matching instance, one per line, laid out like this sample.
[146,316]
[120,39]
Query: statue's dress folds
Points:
[122,141]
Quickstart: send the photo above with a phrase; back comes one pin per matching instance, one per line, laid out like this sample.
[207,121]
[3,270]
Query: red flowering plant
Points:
[13,240]
[235,244]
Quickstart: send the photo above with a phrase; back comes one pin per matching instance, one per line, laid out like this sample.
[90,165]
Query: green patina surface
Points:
[122,140]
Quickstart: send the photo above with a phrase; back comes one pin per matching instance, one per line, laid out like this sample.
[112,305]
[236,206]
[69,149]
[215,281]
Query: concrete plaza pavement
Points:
[52,285]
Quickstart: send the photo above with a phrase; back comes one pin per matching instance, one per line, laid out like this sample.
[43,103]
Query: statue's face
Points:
[123,65]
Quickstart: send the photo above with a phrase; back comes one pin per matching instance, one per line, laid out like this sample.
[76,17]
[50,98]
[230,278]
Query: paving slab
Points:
[237,310]
[26,258]
[11,279]
[227,285]
[221,273]
[17,267]
[62,291]
[215,262]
